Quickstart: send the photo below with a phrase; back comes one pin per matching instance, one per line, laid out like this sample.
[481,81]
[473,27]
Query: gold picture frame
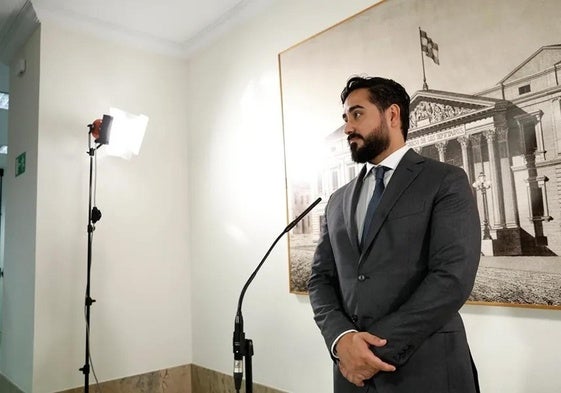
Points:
[485,85]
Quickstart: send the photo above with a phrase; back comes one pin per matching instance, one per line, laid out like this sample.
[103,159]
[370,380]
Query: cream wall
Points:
[238,206]
[140,272]
[16,348]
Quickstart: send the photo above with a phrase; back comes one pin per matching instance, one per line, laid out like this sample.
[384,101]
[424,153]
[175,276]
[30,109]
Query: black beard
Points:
[374,144]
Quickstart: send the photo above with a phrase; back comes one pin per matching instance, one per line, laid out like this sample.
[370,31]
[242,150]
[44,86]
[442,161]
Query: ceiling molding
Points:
[16,29]
[110,31]
[235,16]
[226,21]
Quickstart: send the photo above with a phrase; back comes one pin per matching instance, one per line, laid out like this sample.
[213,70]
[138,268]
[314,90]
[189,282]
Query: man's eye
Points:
[357,115]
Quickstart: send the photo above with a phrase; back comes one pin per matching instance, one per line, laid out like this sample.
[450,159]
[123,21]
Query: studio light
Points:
[100,129]
[123,133]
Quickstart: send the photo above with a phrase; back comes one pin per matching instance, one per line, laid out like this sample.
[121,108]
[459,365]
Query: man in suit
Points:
[387,281]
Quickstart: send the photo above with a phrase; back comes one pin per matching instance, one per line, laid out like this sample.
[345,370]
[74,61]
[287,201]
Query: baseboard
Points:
[183,379]
[170,380]
[205,380]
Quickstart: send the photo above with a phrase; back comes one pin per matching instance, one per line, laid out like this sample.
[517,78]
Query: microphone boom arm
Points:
[243,348]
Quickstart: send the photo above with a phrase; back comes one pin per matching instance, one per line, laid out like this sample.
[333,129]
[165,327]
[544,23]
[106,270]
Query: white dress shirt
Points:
[369,182]
[366,191]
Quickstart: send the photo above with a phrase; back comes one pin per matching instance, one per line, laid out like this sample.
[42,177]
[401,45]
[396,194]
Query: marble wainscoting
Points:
[171,380]
[184,379]
[210,381]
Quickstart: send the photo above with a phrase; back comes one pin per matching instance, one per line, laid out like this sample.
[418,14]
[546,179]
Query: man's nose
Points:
[349,129]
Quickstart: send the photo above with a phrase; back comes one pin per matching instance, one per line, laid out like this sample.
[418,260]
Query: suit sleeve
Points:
[453,259]
[323,288]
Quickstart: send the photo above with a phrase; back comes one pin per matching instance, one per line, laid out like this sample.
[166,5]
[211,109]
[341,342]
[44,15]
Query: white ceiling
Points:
[175,27]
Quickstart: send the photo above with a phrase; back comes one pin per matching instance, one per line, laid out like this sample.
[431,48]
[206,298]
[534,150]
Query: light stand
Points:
[99,130]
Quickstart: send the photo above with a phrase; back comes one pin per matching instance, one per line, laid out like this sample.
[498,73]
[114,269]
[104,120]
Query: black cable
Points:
[90,359]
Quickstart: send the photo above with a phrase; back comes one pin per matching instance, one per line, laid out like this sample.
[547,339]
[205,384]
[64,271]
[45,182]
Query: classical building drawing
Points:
[508,141]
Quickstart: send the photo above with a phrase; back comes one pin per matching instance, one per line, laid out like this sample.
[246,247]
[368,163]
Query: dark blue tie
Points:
[379,172]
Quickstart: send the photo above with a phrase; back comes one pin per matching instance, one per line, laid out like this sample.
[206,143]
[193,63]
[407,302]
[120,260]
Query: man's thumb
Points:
[374,340]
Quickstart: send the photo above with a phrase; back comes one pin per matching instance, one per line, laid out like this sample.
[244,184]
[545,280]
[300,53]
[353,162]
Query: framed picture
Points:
[485,84]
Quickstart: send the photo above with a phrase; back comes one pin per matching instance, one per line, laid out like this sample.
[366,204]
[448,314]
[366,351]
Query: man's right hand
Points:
[357,363]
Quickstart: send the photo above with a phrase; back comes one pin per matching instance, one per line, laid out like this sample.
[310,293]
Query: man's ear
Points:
[393,116]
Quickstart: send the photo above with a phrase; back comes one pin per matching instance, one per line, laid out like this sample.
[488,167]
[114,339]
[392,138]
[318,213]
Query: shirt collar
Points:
[391,161]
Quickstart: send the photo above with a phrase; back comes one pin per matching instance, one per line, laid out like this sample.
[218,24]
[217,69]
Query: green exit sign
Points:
[20,164]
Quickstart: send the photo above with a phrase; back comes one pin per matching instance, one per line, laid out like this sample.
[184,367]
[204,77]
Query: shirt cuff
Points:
[333,352]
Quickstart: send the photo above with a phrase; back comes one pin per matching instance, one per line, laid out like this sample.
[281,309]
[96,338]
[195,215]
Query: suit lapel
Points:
[407,170]
[350,200]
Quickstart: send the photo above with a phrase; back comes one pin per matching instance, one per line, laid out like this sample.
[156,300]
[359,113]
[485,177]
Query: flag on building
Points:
[429,47]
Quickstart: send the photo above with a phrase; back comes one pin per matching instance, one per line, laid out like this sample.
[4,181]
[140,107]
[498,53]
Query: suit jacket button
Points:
[362,277]
[354,318]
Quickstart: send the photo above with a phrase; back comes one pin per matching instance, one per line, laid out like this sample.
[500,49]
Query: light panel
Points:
[127,133]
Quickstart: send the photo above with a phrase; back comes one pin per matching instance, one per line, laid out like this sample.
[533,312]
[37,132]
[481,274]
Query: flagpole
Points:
[425,86]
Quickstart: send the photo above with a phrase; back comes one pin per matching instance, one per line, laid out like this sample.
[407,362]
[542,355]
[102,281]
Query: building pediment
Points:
[432,108]
[543,58]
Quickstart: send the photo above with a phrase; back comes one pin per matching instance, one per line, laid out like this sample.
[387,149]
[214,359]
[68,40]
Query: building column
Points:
[556,106]
[496,181]
[512,215]
[476,149]
[441,146]
[536,203]
[475,140]
[540,152]
[532,123]
[466,161]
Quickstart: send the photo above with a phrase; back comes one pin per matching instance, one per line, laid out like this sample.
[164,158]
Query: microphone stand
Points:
[243,347]
[94,215]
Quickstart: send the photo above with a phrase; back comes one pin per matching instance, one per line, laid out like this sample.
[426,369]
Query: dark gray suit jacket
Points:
[407,283]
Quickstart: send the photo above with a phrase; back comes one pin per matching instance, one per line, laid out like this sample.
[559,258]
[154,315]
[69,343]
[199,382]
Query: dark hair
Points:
[383,93]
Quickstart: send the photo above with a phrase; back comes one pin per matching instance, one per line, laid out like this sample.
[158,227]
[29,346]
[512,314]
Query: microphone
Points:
[301,216]
[240,344]
[239,338]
